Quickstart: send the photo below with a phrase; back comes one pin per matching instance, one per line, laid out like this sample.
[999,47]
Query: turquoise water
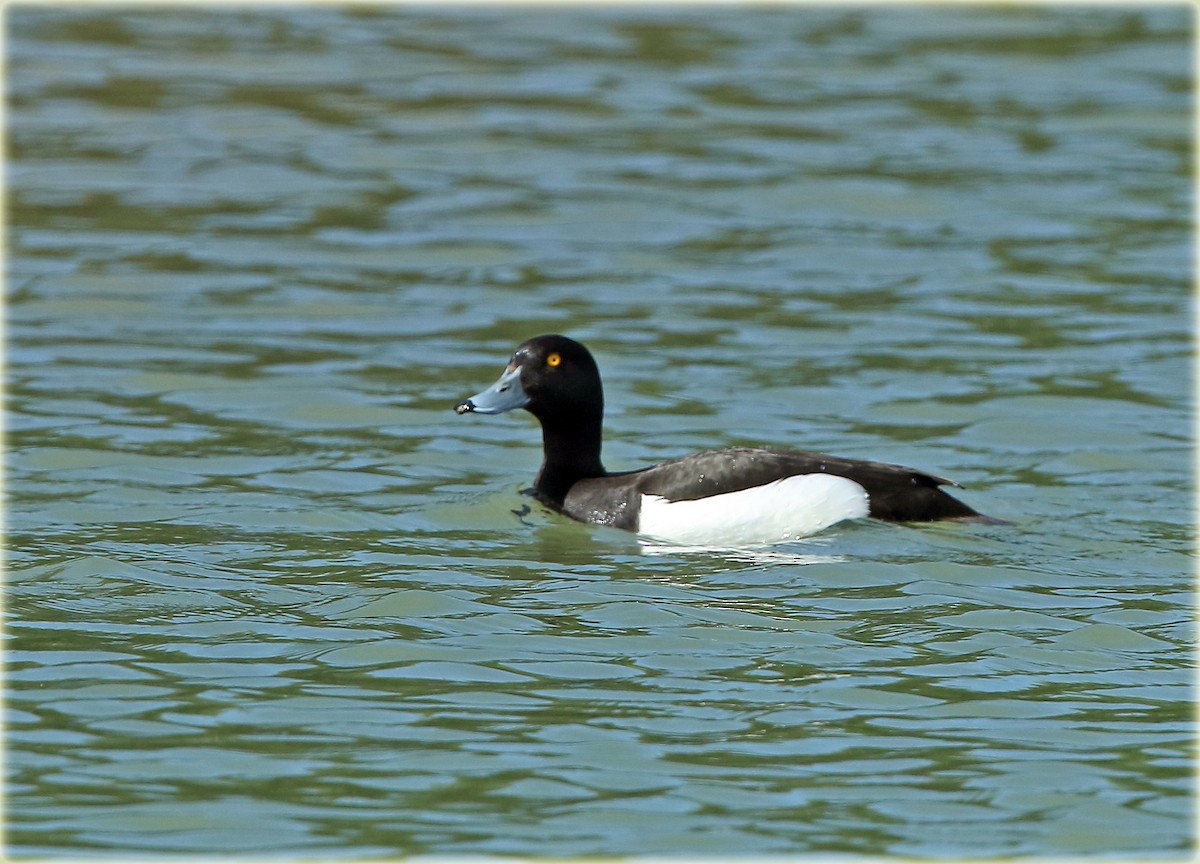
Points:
[268,596]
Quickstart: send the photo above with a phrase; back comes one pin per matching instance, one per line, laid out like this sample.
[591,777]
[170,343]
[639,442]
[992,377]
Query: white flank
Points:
[787,509]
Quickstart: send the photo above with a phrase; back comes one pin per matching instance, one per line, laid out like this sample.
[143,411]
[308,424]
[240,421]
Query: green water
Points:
[268,596]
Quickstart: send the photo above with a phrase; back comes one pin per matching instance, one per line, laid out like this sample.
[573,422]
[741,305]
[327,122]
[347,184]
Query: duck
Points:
[735,496]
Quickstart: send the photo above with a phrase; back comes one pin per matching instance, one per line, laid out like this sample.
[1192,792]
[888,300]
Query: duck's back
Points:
[891,492]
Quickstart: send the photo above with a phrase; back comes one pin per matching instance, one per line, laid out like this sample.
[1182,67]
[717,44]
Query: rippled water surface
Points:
[268,595]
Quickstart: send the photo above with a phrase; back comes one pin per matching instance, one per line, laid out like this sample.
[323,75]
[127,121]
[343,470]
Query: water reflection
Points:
[746,556]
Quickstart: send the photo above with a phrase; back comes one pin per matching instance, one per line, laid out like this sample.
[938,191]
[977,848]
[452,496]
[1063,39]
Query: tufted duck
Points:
[737,496]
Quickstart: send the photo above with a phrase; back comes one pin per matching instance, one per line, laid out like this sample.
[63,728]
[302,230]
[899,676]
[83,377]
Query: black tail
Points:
[922,501]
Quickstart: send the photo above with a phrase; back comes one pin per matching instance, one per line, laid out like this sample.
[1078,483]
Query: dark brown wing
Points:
[895,493]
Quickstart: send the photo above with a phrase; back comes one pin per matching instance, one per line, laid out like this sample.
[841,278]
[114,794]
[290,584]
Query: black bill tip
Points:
[464,407]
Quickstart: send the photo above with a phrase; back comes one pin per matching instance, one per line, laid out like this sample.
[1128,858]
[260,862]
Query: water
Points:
[268,596]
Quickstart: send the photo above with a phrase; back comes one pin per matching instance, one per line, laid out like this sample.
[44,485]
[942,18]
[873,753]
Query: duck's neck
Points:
[571,449]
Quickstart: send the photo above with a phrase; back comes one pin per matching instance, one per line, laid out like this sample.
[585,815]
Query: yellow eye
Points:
[554,359]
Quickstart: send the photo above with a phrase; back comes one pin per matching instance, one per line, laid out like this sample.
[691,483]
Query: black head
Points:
[551,376]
